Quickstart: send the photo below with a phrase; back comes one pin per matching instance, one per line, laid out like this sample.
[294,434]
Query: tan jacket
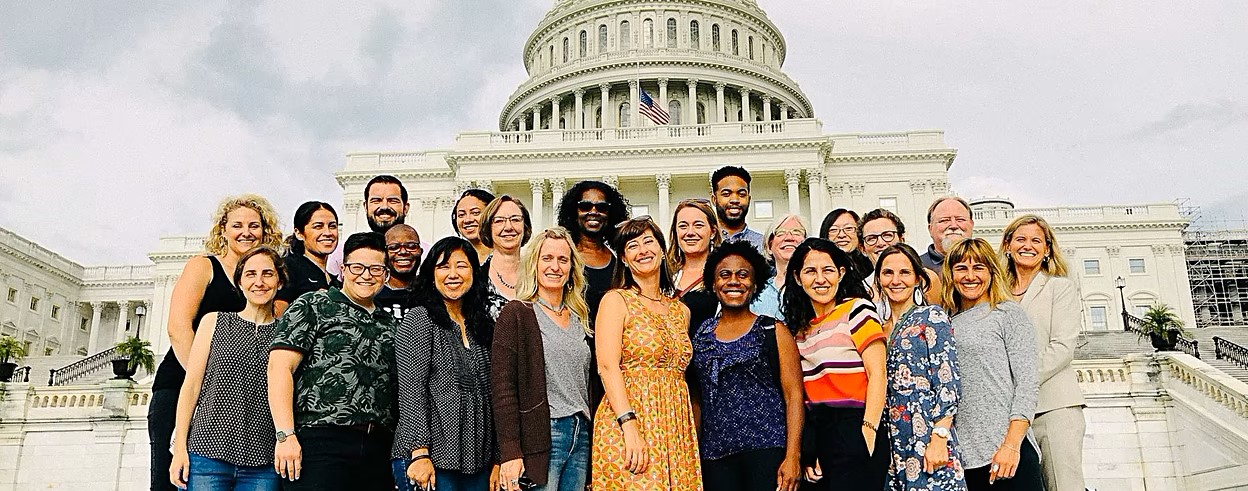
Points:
[1052,304]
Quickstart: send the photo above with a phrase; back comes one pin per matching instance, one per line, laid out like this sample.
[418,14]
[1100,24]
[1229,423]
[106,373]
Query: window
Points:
[598,117]
[56,311]
[626,35]
[1091,267]
[647,33]
[82,326]
[715,37]
[1098,317]
[640,210]
[751,46]
[584,44]
[889,204]
[762,209]
[47,352]
[1137,265]
[34,303]
[1139,309]
[12,294]
[694,42]
[701,113]
[673,112]
[671,33]
[736,49]
[566,53]
[626,115]
[602,38]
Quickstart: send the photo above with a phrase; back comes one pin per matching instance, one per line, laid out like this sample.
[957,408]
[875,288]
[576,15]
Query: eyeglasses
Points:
[643,218]
[587,205]
[514,220]
[358,269]
[411,246]
[795,232]
[888,237]
[847,230]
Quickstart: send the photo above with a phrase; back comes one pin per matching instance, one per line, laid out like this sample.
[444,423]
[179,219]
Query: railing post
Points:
[51,377]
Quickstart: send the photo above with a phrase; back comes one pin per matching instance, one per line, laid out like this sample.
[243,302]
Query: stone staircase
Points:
[1115,344]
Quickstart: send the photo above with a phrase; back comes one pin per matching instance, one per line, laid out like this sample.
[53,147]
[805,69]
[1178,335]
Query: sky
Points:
[121,122]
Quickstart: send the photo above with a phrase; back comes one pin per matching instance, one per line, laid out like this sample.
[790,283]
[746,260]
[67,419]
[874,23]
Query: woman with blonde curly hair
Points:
[240,224]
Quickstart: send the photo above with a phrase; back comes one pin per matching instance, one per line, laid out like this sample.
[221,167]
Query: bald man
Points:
[403,252]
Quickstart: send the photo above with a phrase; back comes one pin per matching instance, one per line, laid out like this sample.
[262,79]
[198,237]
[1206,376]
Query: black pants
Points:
[746,471]
[339,458]
[161,413]
[836,434]
[1026,478]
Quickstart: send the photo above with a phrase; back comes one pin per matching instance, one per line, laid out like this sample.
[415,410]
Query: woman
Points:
[841,227]
[923,381]
[1036,273]
[644,438]
[466,217]
[308,249]
[997,362]
[749,383]
[843,361]
[228,443]
[783,236]
[240,224]
[510,228]
[542,359]
[695,233]
[445,435]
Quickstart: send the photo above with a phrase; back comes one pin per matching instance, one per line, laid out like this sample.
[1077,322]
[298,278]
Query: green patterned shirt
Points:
[347,373]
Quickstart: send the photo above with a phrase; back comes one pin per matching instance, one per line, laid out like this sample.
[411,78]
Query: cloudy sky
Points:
[121,122]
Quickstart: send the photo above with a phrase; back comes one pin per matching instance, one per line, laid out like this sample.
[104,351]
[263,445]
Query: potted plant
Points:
[1162,326]
[11,352]
[133,353]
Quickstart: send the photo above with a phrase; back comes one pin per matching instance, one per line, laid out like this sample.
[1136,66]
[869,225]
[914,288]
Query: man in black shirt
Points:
[590,211]
[402,259]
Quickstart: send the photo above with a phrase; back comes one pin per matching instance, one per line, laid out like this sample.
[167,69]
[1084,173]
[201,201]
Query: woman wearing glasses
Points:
[695,233]
[841,227]
[644,437]
[509,229]
[466,218]
[782,238]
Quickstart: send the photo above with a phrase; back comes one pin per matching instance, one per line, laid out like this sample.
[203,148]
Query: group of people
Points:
[604,354]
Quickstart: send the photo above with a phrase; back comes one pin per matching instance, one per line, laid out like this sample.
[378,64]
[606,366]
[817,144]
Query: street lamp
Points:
[1121,283]
[139,312]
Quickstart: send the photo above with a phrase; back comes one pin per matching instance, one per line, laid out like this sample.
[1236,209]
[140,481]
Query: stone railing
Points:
[373,162]
[499,140]
[21,374]
[22,245]
[1178,368]
[111,399]
[1181,342]
[83,367]
[874,142]
[119,273]
[1159,211]
[1226,349]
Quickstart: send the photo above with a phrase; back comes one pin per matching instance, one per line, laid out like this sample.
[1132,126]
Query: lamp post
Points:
[139,312]
[1121,283]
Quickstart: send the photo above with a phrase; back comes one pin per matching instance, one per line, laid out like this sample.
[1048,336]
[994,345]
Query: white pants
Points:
[1060,435]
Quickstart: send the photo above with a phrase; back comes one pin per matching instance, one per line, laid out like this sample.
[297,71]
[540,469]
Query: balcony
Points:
[510,140]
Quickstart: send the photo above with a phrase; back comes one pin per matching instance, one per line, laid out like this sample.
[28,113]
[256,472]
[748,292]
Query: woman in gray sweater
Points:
[998,364]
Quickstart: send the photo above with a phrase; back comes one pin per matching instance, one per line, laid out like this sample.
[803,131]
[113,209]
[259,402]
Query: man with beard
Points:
[730,191]
[385,203]
[948,221]
[402,259]
[590,211]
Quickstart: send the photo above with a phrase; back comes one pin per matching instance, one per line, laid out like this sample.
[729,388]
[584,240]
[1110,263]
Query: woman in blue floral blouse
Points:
[923,384]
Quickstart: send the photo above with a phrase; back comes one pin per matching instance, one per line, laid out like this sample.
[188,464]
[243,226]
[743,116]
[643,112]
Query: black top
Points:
[304,276]
[219,296]
[702,306]
[232,421]
[395,302]
[598,281]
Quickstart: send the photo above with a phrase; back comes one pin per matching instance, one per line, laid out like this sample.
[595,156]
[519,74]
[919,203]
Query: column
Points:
[766,107]
[662,102]
[579,124]
[554,112]
[665,214]
[537,185]
[692,110]
[537,117]
[784,111]
[123,314]
[93,342]
[719,102]
[606,104]
[792,177]
[523,123]
[556,195]
[814,185]
[745,105]
[634,98]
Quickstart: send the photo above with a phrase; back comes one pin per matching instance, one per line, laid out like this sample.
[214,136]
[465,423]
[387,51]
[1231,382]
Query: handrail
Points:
[21,374]
[1184,345]
[1189,346]
[83,367]
[1225,348]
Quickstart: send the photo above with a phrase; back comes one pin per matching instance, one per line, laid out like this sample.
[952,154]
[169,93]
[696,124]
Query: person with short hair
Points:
[221,440]
[331,380]
[385,203]
[997,362]
[590,210]
[509,229]
[949,220]
[403,252]
[466,217]
[879,229]
[1037,278]
[730,191]
[783,236]
[694,233]
[307,253]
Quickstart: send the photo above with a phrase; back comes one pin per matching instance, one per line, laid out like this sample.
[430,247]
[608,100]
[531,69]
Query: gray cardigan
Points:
[998,364]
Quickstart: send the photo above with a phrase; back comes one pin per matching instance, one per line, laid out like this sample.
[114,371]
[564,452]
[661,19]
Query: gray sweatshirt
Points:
[999,367]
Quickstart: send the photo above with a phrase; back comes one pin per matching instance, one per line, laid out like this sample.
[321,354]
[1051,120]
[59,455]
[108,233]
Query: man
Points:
[331,380]
[590,210]
[385,203]
[730,191]
[403,252]
[877,230]
[948,221]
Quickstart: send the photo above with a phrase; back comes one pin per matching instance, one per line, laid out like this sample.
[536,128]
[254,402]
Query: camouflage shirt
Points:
[347,373]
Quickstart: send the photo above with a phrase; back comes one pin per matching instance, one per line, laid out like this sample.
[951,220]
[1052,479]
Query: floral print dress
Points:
[923,388]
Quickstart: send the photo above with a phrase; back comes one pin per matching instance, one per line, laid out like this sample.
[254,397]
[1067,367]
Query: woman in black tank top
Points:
[242,223]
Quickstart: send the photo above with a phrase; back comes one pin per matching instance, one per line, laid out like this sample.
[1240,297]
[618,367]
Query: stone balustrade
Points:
[118,273]
[1090,214]
[508,140]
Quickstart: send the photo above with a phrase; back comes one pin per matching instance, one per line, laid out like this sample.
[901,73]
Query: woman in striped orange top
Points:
[841,344]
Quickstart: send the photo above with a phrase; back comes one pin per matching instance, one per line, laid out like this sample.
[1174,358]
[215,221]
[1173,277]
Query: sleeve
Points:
[297,328]
[504,381]
[868,328]
[942,364]
[413,350]
[1059,350]
[1020,349]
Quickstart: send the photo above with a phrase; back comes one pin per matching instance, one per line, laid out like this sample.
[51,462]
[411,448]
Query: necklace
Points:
[648,297]
[546,304]
[504,282]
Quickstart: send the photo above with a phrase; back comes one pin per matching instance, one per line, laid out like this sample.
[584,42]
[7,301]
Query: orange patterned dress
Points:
[655,352]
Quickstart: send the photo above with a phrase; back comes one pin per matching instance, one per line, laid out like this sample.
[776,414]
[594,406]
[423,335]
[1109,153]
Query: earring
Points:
[1045,261]
[918,296]
[1007,254]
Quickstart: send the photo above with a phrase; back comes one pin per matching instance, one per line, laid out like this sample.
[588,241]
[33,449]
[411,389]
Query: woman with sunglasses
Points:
[695,233]
[782,238]
[588,210]
[644,437]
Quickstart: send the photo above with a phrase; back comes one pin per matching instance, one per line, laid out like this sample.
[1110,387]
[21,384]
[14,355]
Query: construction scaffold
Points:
[1217,267]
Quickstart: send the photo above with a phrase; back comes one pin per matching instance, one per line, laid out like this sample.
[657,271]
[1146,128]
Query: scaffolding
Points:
[1217,267]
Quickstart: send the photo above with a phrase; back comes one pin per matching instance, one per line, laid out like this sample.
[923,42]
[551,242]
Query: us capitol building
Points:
[1156,421]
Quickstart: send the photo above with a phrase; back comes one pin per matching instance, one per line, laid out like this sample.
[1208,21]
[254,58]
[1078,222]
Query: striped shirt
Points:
[832,370]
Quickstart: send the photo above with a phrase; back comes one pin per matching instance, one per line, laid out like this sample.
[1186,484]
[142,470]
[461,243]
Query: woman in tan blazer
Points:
[1038,281]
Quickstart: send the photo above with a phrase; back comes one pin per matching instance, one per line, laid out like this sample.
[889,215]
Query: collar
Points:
[936,255]
[336,294]
[745,232]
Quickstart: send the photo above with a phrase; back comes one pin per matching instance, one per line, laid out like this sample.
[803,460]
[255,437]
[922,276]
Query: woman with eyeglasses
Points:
[644,437]
[841,227]
[782,238]
[466,218]
[695,233]
[509,229]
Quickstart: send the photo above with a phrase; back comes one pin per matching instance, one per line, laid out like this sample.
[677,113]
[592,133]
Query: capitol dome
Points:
[701,60]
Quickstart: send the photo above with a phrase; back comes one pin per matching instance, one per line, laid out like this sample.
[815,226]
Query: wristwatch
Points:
[282,434]
[941,431]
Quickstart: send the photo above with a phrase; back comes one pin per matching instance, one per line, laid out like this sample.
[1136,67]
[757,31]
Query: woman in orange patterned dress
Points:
[644,439]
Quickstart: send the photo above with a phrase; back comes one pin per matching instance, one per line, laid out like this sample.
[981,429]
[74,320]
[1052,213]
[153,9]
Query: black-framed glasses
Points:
[358,269]
[410,246]
[849,230]
[587,205]
[643,218]
[888,237]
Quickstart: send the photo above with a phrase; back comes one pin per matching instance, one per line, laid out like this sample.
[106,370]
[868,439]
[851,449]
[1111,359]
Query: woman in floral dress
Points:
[923,384]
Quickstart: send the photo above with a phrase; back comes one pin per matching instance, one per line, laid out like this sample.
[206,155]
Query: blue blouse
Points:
[742,405]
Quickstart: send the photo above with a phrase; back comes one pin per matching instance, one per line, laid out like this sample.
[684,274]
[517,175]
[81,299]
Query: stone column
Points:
[766,107]
[606,104]
[523,123]
[554,112]
[613,181]
[93,342]
[814,185]
[745,104]
[123,314]
[579,124]
[634,95]
[784,111]
[537,117]
[692,111]
[665,215]
[792,177]
[538,186]
[556,195]
[662,94]
[719,102]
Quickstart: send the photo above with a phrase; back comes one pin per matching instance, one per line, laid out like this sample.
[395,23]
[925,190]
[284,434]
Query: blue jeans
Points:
[446,480]
[216,475]
[569,454]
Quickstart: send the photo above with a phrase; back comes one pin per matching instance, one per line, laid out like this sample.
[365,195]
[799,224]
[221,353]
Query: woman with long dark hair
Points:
[466,218]
[307,252]
[841,227]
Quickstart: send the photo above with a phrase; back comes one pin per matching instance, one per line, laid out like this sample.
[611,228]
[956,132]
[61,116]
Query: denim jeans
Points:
[215,475]
[569,454]
[446,480]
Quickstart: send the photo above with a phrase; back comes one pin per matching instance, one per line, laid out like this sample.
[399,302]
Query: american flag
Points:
[652,110]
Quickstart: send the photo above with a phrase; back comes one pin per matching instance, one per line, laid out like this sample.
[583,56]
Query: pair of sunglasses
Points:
[587,205]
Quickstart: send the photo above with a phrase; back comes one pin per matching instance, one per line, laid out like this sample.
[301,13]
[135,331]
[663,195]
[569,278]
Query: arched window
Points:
[584,44]
[736,49]
[751,47]
[701,113]
[694,42]
[626,35]
[566,54]
[673,112]
[562,124]
[602,38]
[671,33]
[647,33]
[739,116]
[626,115]
[598,117]
[551,59]
[715,37]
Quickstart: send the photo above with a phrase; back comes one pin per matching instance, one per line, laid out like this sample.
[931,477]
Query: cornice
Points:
[946,156]
[41,265]
[363,176]
[98,284]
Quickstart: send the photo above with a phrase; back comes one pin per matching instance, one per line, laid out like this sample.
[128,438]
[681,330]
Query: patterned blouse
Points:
[232,421]
[742,407]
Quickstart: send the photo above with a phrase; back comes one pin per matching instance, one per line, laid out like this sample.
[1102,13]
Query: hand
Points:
[180,469]
[636,450]
[790,471]
[288,458]
[421,472]
[937,454]
[495,475]
[1004,463]
[814,474]
[868,435]
[509,473]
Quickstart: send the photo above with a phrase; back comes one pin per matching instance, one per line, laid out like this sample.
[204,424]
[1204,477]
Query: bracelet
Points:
[1011,447]
[871,426]
[626,417]
[418,458]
